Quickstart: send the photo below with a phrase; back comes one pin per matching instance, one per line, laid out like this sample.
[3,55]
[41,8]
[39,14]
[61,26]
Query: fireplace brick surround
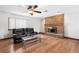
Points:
[52,29]
[56,21]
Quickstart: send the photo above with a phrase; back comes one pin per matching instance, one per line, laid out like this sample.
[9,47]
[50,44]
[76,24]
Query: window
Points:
[20,23]
[17,23]
[11,23]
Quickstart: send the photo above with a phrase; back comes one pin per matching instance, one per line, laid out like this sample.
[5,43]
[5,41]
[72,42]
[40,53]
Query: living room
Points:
[62,18]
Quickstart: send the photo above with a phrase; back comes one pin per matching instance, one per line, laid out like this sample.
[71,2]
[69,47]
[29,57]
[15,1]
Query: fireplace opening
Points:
[52,29]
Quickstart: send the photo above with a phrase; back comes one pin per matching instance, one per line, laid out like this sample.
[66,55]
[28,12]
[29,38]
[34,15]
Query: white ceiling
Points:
[21,10]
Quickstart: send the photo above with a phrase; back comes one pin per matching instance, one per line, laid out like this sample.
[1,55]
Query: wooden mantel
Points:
[57,21]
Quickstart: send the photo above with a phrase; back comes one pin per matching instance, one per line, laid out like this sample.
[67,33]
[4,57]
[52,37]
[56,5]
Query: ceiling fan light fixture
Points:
[31,13]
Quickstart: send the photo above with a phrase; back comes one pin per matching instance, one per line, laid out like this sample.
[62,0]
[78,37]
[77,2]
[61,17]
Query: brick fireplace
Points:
[55,24]
[52,29]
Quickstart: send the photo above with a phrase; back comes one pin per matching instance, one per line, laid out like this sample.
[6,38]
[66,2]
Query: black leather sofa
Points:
[22,32]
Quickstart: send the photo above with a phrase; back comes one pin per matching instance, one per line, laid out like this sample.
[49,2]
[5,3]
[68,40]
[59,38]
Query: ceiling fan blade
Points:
[35,6]
[38,11]
[32,7]
[29,7]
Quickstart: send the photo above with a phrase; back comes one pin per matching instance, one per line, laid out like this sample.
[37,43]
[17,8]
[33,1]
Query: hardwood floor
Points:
[48,44]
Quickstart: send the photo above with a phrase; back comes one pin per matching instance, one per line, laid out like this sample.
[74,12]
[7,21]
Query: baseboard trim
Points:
[63,36]
[41,33]
[71,38]
[6,38]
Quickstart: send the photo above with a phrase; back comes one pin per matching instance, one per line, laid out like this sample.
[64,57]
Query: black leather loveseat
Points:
[22,32]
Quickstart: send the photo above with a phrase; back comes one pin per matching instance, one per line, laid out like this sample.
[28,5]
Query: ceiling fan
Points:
[32,9]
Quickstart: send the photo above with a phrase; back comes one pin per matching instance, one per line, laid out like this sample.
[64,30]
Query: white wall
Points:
[4,33]
[71,20]
[43,25]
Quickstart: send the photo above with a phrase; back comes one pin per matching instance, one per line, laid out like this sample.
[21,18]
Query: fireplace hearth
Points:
[52,29]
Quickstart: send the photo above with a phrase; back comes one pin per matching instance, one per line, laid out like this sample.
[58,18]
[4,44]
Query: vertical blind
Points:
[18,23]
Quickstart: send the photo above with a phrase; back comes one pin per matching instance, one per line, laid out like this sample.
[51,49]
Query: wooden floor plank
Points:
[48,44]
